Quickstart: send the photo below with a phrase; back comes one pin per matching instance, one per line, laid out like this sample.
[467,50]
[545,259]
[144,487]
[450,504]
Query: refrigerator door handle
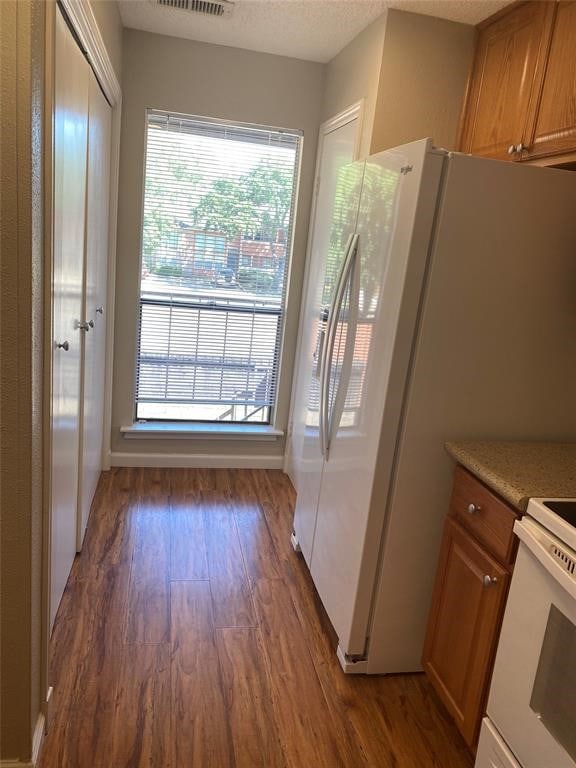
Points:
[322,412]
[340,395]
[330,340]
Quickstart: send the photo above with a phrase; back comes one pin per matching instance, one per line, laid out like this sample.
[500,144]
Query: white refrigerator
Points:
[447,311]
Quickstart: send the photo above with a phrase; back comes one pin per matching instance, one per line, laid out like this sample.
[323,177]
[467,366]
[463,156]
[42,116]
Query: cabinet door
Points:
[463,628]
[95,280]
[505,80]
[555,124]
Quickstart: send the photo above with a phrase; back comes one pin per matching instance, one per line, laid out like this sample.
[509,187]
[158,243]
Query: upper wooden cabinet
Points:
[555,123]
[505,79]
[521,101]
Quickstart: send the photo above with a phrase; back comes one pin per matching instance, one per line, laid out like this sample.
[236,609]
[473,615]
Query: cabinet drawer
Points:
[485,515]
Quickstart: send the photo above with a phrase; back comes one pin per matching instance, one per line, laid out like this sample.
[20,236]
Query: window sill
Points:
[186,430]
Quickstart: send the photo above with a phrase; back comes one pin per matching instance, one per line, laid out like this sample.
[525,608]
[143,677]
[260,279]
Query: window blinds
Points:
[216,238]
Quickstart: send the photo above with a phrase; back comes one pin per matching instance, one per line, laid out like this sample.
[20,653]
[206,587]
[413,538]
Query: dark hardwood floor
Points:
[190,636]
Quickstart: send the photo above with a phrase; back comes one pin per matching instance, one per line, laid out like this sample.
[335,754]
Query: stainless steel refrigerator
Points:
[443,309]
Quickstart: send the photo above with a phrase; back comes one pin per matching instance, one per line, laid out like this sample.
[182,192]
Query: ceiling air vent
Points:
[207,7]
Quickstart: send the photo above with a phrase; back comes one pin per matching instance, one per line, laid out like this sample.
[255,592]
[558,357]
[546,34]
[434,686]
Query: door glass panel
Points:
[554,693]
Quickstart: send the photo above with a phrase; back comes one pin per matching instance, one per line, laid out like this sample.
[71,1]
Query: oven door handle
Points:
[552,555]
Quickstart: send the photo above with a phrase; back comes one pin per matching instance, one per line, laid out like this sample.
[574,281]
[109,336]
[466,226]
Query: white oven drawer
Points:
[492,751]
[532,698]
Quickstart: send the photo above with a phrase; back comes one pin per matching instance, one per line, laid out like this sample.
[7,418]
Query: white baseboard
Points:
[288,468]
[204,461]
[37,741]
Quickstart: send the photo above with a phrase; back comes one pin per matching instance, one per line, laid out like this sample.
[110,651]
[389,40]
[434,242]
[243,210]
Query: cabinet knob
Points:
[100,310]
[473,509]
[91,323]
[84,326]
[521,148]
[511,149]
[489,581]
[65,345]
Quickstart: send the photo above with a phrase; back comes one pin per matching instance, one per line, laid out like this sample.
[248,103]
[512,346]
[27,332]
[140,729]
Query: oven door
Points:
[533,693]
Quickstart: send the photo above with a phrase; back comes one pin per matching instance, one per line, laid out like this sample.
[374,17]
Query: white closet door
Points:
[70,138]
[96,264]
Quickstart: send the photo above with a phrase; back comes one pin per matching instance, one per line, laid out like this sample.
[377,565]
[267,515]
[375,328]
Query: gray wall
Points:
[411,70]
[179,75]
[353,75]
[425,66]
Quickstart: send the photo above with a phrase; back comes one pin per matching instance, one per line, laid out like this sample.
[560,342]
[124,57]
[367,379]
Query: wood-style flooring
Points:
[190,636]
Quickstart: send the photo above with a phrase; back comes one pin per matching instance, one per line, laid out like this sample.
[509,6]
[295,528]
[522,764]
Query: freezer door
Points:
[325,273]
[367,366]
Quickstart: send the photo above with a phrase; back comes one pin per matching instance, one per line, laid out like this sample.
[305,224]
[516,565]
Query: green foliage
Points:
[226,208]
[270,190]
[169,270]
[157,225]
[256,280]
[169,185]
[257,203]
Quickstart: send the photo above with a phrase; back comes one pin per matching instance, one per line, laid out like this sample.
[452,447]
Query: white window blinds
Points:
[216,239]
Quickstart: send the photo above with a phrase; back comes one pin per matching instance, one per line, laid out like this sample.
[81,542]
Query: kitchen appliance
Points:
[532,701]
[446,277]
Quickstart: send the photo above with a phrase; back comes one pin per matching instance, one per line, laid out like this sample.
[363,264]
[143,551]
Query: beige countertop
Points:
[519,471]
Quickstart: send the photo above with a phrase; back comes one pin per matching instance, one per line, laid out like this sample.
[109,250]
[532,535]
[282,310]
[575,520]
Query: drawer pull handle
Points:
[473,509]
[489,581]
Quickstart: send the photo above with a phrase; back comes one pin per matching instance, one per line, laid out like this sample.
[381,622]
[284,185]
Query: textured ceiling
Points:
[305,29]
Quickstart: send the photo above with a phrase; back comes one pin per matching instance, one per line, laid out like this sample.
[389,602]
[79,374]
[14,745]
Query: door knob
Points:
[489,581]
[63,345]
[100,310]
[84,326]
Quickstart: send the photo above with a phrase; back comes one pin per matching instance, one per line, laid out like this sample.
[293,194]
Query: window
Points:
[216,238]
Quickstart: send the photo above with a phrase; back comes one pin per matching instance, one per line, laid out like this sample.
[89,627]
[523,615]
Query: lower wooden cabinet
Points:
[467,609]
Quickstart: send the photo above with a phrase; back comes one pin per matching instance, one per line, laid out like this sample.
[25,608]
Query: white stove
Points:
[556,515]
[531,720]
